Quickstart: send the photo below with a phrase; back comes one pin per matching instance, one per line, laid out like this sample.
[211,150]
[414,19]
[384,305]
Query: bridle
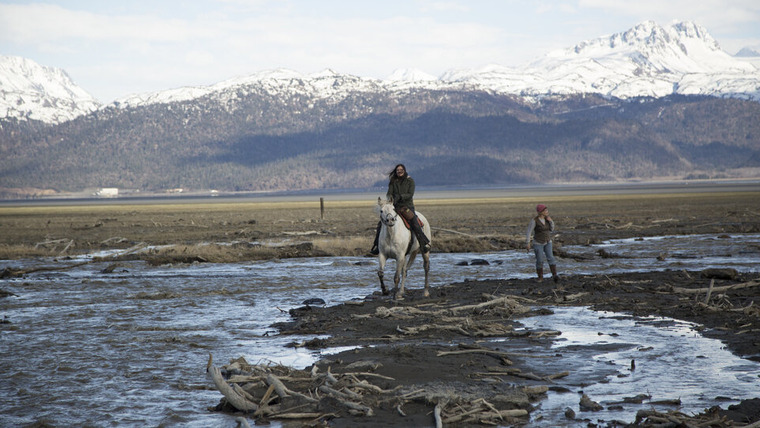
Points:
[388,218]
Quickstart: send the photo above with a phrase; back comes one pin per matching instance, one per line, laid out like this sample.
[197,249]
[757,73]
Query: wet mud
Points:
[436,361]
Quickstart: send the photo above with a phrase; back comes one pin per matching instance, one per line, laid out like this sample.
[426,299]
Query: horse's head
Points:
[387,212]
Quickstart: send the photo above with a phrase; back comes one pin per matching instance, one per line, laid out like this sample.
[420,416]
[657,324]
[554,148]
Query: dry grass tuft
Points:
[344,246]
[21,251]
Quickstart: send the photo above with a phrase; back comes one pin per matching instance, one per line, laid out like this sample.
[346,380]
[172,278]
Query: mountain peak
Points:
[648,36]
[749,51]
[33,91]
[410,75]
[646,60]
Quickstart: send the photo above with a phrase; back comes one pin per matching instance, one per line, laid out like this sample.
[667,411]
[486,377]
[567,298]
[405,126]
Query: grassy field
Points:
[217,232]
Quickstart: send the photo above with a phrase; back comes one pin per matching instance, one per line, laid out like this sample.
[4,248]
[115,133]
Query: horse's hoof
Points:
[426,294]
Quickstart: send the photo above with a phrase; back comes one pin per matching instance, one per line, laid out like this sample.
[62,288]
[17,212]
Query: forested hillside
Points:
[257,141]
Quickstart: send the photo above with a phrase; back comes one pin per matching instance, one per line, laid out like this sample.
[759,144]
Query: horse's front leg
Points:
[380,273]
[426,266]
[400,279]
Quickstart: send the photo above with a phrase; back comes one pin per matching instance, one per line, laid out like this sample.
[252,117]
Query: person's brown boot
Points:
[555,277]
[540,273]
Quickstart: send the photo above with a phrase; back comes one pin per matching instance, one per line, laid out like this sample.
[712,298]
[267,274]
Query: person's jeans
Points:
[543,253]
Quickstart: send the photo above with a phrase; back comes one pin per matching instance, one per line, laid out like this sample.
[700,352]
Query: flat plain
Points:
[246,229]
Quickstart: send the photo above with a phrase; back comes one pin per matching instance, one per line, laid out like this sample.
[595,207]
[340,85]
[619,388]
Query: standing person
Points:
[401,192]
[540,229]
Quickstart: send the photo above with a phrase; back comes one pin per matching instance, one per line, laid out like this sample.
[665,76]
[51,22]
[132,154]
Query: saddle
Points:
[406,222]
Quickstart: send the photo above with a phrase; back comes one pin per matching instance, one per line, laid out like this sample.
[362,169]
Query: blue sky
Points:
[114,49]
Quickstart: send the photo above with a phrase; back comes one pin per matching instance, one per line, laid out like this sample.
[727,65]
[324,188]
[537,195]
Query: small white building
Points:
[108,192]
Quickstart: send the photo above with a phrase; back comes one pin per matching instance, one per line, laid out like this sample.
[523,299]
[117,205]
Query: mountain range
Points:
[645,103]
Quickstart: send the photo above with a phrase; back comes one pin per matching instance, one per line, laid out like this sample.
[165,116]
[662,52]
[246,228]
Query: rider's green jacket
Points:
[401,192]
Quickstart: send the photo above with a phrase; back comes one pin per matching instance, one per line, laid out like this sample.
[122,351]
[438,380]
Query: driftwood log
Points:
[712,289]
[276,392]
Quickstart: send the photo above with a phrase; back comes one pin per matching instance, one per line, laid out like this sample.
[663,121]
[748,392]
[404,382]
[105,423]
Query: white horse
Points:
[397,242]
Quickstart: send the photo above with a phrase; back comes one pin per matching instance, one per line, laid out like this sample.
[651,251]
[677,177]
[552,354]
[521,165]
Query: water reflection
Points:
[129,347]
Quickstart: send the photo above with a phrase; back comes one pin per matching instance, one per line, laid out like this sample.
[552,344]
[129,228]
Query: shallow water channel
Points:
[84,347]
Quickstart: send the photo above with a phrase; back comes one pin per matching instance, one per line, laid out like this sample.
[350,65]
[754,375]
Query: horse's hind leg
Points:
[426,266]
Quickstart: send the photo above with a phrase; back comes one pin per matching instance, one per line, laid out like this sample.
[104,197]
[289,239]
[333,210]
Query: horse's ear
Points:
[379,201]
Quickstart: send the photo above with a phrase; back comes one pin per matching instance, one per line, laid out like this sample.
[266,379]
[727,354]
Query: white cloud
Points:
[717,14]
[39,23]
[443,6]
[199,58]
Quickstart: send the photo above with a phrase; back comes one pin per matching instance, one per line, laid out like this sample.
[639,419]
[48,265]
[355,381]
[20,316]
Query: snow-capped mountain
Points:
[647,60]
[32,91]
[325,84]
[749,52]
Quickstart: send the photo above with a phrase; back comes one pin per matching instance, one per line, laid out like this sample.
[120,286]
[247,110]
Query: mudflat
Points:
[251,230]
[409,378]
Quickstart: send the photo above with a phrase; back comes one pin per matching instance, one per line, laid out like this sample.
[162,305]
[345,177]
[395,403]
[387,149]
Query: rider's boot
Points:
[423,240]
[553,268]
[375,251]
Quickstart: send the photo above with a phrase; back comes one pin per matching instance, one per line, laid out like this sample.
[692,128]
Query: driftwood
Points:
[490,352]
[722,289]
[66,248]
[483,412]
[233,397]
[709,291]
[113,240]
[509,371]
[10,272]
[242,422]
[55,243]
[510,302]
[277,392]
[653,418]
[133,249]
[466,329]
[437,414]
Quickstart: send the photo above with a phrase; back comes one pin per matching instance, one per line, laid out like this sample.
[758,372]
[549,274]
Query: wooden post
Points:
[322,208]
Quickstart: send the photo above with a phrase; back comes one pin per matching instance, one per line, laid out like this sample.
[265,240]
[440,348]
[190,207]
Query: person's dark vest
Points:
[542,231]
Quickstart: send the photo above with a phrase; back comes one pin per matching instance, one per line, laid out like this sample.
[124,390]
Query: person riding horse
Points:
[401,192]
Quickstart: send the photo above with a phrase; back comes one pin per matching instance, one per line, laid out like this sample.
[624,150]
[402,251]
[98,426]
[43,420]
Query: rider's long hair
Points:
[392,175]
